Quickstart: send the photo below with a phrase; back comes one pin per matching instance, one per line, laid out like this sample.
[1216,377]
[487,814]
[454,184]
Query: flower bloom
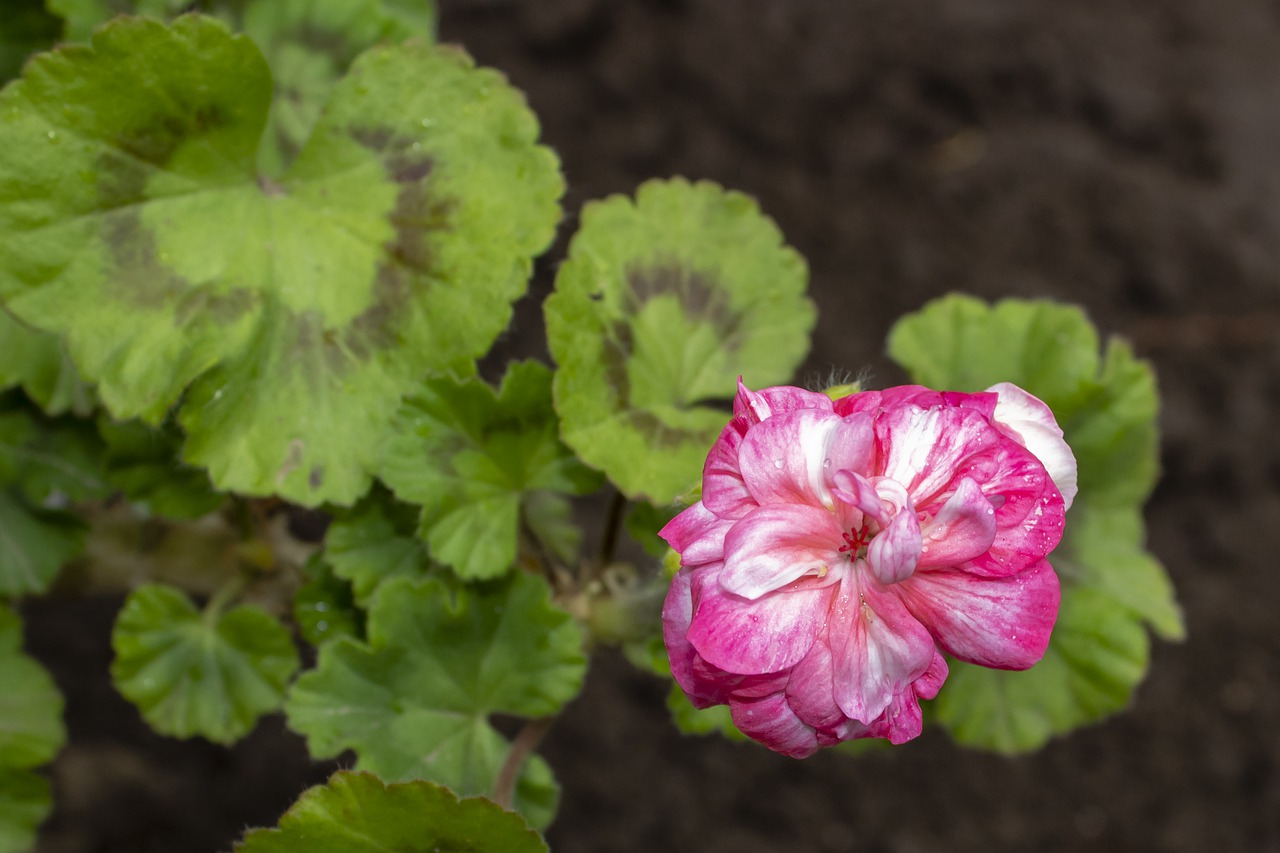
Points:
[841,547]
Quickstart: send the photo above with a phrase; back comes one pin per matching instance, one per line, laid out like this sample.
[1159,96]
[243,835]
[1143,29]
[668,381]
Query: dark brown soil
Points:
[1124,155]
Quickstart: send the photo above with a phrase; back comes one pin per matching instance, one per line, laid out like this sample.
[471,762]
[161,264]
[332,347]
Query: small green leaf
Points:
[50,460]
[25,801]
[142,462]
[211,674]
[358,813]
[324,606]
[662,304]
[31,729]
[469,455]
[38,363]
[288,317]
[1110,584]
[34,544]
[414,702]
[374,542]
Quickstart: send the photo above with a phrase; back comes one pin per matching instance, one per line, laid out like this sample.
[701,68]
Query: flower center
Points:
[856,543]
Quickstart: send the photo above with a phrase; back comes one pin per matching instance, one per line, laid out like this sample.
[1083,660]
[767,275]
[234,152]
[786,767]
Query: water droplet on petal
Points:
[826,463]
[777,463]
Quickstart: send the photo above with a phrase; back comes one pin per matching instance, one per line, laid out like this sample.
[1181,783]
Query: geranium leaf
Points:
[289,316]
[469,456]
[142,461]
[324,606]
[663,302]
[25,801]
[375,541]
[30,705]
[192,673]
[359,813]
[38,363]
[50,460]
[34,544]
[1111,584]
[414,702]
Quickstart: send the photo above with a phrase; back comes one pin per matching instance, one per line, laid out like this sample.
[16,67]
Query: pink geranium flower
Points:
[841,547]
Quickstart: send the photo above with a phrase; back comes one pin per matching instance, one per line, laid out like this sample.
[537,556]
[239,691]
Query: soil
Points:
[1123,155]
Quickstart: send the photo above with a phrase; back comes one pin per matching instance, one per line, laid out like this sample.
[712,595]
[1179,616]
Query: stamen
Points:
[855,543]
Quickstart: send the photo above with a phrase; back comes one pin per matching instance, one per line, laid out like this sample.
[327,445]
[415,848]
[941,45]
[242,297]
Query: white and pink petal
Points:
[1003,623]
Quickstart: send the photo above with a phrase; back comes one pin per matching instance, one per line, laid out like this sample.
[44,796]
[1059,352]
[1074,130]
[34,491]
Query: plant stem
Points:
[504,789]
[612,522]
[226,593]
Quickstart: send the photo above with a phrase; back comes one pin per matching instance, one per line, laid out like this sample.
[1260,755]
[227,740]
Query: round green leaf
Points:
[288,316]
[31,729]
[414,702]
[358,813]
[662,304]
[210,674]
[142,462]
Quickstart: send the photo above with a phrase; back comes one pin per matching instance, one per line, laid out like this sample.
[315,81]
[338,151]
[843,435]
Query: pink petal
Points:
[771,722]
[677,611]
[723,490]
[811,688]
[1030,514]
[878,648]
[791,457]
[697,535]
[756,406]
[894,552]
[1004,623]
[925,449]
[749,637]
[777,544]
[1031,422]
[962,529]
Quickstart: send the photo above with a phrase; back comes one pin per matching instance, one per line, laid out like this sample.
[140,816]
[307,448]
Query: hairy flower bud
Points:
[842,546]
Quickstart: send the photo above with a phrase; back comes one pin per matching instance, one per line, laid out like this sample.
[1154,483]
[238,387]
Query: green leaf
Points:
[82,17]
[1111,585]
[469,455]
[27,28]
[211,674]
[34,544]
[324,606]
[50,460]
[309,45]
[288,317]
[961,343]
[38,363]
[414,702]
[142,462]
[358,813]
[374,542]
[663,302]
[31,729]
[25,801]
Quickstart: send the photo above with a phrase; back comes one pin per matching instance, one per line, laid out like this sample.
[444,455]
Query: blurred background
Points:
[1121,155]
